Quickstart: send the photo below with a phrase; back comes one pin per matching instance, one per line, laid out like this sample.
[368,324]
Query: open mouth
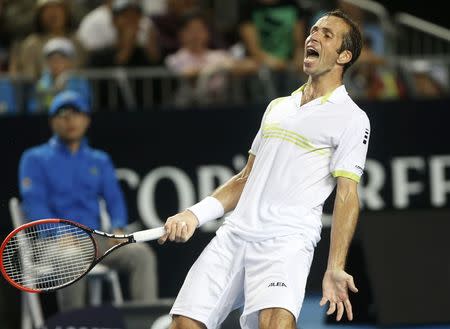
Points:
[311,53]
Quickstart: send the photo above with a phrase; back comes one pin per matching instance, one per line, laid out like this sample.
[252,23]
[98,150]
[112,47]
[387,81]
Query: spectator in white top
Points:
[154,7]
[127,48]
[97,30]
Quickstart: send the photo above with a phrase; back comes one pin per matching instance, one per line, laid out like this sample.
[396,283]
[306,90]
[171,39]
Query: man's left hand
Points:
[335,286]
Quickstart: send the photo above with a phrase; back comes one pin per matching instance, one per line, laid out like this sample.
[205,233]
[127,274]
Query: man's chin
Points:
[69,139]
[308,70]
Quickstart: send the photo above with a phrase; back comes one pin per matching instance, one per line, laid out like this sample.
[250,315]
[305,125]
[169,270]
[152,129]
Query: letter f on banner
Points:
[439,186]
[402,187]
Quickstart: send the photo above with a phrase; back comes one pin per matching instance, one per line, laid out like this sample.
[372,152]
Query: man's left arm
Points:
[347,165]
[113,196]
[336,281]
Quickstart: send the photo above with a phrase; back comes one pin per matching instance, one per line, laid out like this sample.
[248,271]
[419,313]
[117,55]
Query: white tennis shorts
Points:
[264,274]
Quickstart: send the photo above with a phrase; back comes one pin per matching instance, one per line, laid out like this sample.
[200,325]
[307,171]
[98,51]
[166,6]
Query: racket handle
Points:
[147,235]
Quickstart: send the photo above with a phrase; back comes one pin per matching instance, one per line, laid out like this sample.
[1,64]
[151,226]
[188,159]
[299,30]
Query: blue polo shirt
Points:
[55,183]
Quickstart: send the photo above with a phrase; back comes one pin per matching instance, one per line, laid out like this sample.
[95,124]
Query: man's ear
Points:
[344,57]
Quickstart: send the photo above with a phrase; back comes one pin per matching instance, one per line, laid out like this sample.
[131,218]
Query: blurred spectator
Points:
[127,47]
[52,19]
[17,17]
[97,30]
[66,178]
[373,77]
[60,58]
[206,70]
[167,25]
[427,80]
[273,32]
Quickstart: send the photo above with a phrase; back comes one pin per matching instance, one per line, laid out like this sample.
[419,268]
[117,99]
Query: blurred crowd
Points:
[47,42]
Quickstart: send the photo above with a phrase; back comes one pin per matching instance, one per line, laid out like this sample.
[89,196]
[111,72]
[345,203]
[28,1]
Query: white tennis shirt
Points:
[300,150]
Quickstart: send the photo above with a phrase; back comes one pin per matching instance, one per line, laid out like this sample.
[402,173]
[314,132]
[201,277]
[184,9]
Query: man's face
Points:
[322,44]
[195,35]
[128,19]
[70,125]
[53,17]
[58,63]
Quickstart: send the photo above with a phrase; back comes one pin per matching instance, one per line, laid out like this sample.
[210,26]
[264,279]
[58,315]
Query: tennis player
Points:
[308,143]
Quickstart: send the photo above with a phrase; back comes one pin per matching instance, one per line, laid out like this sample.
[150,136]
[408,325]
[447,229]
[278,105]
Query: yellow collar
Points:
[323,99]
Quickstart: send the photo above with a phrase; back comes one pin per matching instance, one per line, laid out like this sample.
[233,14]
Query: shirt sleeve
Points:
[256,143]
[33,188]
[258,138]
[349,158]
[113,196]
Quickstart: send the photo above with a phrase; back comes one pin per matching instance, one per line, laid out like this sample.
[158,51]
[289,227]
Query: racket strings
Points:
[48,255]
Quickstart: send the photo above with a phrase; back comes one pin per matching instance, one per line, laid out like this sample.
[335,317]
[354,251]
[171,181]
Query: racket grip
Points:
[148,235]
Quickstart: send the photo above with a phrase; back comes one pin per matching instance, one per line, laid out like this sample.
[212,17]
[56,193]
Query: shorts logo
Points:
[276,284]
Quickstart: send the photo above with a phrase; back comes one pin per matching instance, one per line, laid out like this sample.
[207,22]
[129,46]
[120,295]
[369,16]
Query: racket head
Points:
[46,255]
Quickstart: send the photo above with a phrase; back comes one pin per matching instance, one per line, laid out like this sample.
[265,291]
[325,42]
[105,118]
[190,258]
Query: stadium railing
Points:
[417,37]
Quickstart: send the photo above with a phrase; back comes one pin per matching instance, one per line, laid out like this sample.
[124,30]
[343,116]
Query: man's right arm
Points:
[182,226]
[33,190]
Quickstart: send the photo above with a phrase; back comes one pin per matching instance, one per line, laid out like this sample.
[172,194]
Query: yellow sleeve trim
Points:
[347,174]
[251,152]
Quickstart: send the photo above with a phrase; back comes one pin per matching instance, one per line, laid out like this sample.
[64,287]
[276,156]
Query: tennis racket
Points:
[50,254]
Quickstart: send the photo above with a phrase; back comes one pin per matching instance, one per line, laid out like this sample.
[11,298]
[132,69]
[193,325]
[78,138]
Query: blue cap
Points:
[69,98]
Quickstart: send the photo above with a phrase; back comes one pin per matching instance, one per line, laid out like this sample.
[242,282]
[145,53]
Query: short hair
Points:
[352,40]
[70,22]
[190,16]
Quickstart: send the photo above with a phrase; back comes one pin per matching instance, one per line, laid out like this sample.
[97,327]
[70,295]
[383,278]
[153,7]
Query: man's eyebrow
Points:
[325,29]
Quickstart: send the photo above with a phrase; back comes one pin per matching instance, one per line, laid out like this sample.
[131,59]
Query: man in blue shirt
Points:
[66,178]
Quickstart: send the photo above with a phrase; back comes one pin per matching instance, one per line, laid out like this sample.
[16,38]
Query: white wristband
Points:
[208,209]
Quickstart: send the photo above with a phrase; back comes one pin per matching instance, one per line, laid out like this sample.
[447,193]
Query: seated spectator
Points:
[97,30]
[17,18]
[53,19]
[168,25]
[65,178]
[60,58]
[206,69]
[427,80]
[126,47]
[273,32]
